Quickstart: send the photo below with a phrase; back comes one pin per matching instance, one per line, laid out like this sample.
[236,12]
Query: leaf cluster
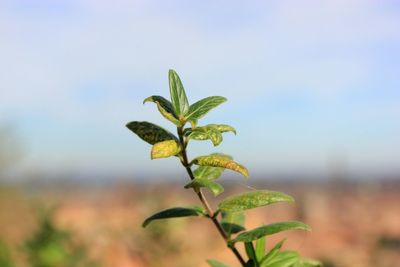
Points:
[230,214]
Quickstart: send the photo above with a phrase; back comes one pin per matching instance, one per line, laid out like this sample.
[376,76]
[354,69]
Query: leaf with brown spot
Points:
[220,161]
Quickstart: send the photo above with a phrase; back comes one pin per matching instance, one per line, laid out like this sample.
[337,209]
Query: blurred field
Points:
[354,224]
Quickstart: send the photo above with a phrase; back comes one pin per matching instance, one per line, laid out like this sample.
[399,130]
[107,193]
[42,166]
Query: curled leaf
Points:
[206,132]
[224,128]
[220,161]
[165,149]
[165,108]
[168,116]
[164,103]
[174,213]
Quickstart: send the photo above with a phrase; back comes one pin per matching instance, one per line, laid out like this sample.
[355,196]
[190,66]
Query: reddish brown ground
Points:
[349,222]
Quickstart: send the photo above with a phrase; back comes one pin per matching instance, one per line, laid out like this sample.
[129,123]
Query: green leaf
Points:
[175,213]
[271,254]
[179,100]
[205,133]
[269,230]
[164,103]
[165,149]
[224,128]
[214,263]
[198,183]
[202,107]
[284,259]
[165,108]
[260,248]
[232,223]
[210,132]
[220,161]
[150,132]
[254,199]
[209,172]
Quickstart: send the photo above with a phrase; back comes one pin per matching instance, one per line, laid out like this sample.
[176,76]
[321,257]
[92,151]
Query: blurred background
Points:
[313,90]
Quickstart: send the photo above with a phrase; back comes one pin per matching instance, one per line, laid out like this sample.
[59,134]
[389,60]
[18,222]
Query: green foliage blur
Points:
[5,255]
[48,246]
[53,247]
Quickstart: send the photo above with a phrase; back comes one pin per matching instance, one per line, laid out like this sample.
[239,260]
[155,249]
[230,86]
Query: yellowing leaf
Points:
[165,149]
[220,161]
[164,107]
[167,115]
[224,128]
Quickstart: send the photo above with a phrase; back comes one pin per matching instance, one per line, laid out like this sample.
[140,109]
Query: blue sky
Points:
[311,84]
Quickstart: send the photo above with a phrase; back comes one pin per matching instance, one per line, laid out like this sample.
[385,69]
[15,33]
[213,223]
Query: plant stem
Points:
[211,214]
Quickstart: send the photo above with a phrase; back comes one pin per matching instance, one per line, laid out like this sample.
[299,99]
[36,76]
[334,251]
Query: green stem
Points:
[211,214]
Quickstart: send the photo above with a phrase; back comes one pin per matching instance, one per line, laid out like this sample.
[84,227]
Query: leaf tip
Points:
[145,223]
[147,99]
[245,172]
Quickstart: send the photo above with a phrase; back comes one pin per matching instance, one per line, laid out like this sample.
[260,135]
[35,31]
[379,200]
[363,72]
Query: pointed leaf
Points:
[214,263]
[198,183]
[165,149]
[179,100]
[269,230]
[164,103]
[209,172]
[254,199]
[165,108]
[271,254]
[232,223]
[219,161]
[150,132]
[168,116]
[285,259]
[260,248]
[202,107]
[175,213]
